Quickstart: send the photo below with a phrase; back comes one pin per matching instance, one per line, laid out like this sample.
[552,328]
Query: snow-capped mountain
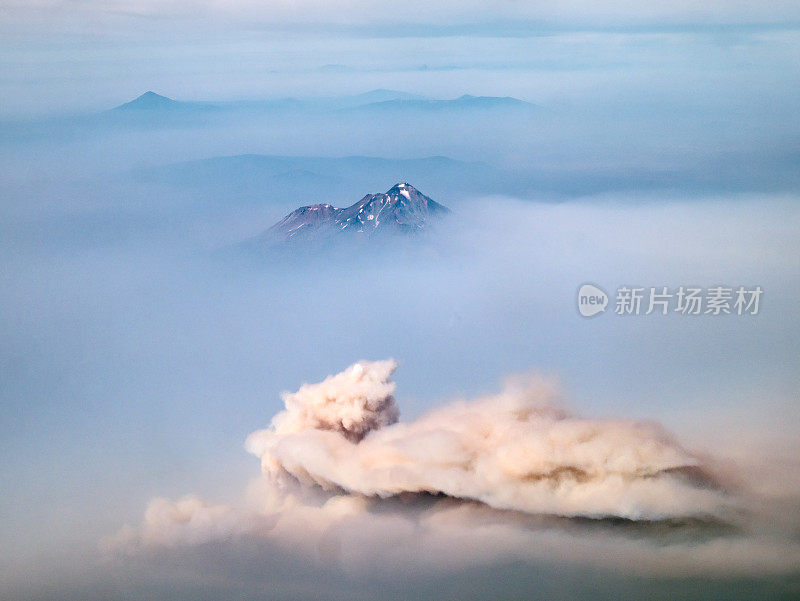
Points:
[402,209]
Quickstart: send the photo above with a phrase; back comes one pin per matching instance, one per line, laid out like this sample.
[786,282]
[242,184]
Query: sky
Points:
[79,56]
[661,148]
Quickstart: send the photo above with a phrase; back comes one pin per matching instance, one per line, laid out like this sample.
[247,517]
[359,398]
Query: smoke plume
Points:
[508,476]
[516,450]
[352,403]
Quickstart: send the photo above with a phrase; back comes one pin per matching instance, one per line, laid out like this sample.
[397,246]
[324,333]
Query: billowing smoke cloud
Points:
[506,477]
[352,403]
[515,451]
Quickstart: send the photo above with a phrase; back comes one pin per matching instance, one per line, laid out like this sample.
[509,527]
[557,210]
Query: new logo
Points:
[591,300]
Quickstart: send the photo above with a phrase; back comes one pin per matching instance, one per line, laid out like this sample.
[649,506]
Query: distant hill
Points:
[381,95]
[374,100]
[288,180]
[152,102]
[149,101]
[462,103]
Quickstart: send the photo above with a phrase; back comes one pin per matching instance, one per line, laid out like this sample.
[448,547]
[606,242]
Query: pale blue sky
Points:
[74,56]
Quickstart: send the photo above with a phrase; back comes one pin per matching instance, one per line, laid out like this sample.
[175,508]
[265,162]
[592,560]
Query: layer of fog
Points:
[134,363]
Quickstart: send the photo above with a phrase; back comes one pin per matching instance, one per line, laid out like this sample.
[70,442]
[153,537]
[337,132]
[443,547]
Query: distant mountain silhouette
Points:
[290,180]
[461,103]
[149,101]
[383,95]
[374,100]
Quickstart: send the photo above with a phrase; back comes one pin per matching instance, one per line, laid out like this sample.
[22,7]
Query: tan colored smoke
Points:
[352,403]
[515,450]
[337,452]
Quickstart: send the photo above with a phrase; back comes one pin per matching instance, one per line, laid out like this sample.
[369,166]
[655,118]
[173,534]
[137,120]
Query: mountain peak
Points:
[148,101]
[402,209]
[402,186]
